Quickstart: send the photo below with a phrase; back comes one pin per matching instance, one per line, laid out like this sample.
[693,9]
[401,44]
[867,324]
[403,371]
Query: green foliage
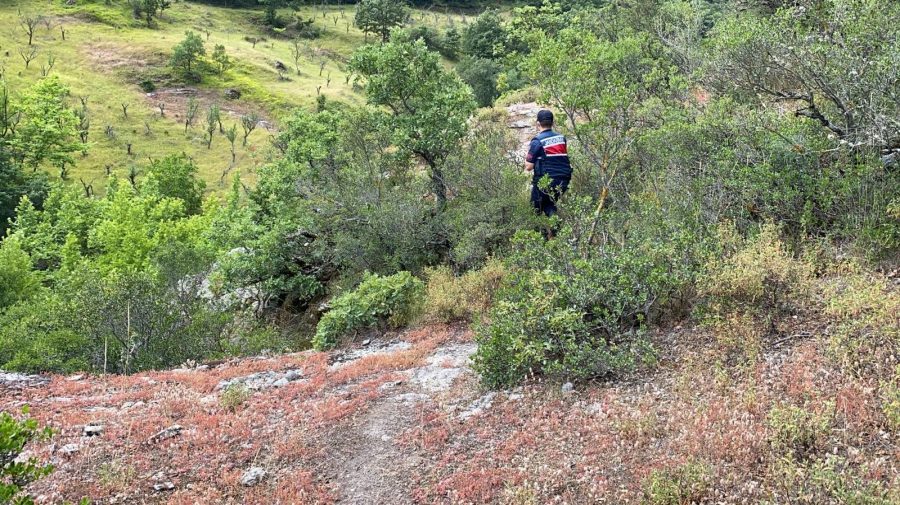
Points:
[754,276]
[491,202]
[186,56]
[829,479]
[792,57]
[430,106]
[15,472]
[381,16]
[47,128]
[685,483]
[148,9]
[392,300]
[220,59]
[175,176]
[234,396]
[18,280]
[18,183]
[797,432]
[481,74]
[466,297]
[866,337]
[485,37]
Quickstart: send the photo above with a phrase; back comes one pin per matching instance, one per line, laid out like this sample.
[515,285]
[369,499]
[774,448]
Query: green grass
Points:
[107,53]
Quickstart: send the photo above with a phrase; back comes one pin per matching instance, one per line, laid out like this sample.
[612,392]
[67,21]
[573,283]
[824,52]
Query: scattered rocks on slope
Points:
[253,476]
[343,358]
[443,367]
[263,380]
[478,406]
[164,486]
[18,381]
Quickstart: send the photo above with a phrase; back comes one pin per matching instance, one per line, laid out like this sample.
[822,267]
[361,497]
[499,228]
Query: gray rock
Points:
[280,383]
[18,380]
[167,433]
[93,429]
[293,375]
[69,449]
[164,486]
[232,93]
[253,476]
[568,388]
[478,406]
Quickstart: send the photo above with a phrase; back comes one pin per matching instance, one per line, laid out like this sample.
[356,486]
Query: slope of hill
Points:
[400,418]
[104,54]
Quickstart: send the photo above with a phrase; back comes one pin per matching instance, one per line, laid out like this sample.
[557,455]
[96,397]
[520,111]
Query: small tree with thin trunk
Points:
[29,23]
[28,55]
[212,122]
[231,135]
[297,53]
[190,113]
[249,123]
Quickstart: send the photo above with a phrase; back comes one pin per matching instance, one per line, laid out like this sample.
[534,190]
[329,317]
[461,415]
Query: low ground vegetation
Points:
[719,285]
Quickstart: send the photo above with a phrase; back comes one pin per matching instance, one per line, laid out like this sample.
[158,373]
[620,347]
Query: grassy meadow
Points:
[103,53]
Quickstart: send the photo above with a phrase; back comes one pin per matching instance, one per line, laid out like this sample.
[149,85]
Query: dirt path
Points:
[372,465]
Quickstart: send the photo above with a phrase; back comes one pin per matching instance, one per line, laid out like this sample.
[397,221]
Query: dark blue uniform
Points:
[550,155]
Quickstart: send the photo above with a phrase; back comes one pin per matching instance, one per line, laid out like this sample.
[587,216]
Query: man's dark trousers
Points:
[544,200]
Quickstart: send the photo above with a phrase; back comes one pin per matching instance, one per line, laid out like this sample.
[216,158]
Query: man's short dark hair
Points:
[545,118]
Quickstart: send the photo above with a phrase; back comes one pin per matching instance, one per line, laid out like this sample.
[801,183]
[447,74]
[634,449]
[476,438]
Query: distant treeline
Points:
[453,4]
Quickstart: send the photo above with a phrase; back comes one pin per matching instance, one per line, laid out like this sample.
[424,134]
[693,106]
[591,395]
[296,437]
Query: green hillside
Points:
[103,53]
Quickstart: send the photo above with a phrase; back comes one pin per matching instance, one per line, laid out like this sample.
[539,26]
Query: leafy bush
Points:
[866,337]
[234,396]
[481,74]
[798,432]
[18,280]
[562,314]
[685,483]
[15,472]
[147,86]
[754,276]
[449,297]
[377,300]
[829,479]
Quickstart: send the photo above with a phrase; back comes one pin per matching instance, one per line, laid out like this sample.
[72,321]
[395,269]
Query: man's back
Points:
[549,152]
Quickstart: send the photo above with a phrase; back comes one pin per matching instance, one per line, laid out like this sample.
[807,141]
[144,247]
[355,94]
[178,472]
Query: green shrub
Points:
[686,483]
[798,432]
[147,86]
[564,314]
[377,300]
[16,473]
[234,396]
[757,275]
[449,297]
[864,305]
[18,279]
[829,479]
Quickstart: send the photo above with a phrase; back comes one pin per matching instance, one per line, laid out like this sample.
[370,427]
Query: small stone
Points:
[568,388]
[385,438]
[281,382]
[253,476]
[232,93]
[75,378]
[169,432]
[164,486]
[366,342]
[93,430]
[293,375]
[514,397]
[69,449]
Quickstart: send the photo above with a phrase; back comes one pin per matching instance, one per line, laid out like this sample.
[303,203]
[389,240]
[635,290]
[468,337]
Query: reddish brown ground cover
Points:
[365,431]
